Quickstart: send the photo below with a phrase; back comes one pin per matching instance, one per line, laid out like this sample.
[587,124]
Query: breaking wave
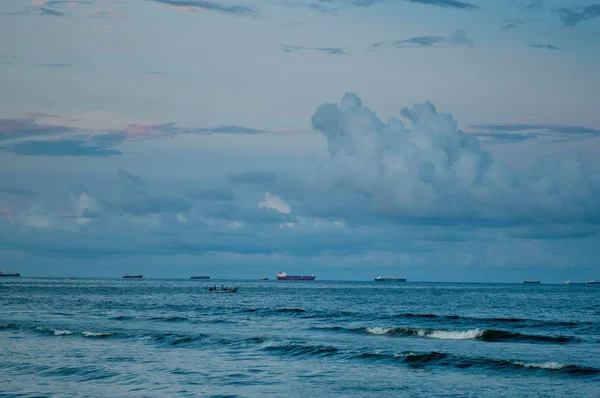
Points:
[63,332]
[530,322]
[489,335]
[96,334]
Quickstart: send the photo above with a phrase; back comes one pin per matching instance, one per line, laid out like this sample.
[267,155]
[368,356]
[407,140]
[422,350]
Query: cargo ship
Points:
[134,276]
[282,276]
[532,282]
[14,274]
[194,276]
[389,279]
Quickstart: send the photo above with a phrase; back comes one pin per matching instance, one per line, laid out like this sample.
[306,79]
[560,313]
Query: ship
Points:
[379,278]
[593,282]
[133,276]
[530,282]
[263,278]
[194,276]
[14,274]
[282,276]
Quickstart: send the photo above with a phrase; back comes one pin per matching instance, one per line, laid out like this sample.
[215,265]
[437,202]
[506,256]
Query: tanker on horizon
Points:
[389,279]
[282,276]
[10,273]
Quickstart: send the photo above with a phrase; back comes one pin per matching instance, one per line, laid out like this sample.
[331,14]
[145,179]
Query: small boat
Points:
[194,276]
[389,279]
[134,276]
[71,278]
[13,274]
[263,278]
[532,282]
[593,282]
[222,290]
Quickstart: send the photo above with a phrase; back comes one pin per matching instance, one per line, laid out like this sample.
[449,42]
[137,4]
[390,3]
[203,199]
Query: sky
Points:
[437,140]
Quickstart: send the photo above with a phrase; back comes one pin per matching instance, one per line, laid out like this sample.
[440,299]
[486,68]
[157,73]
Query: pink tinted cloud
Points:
[139,130]
[188,8]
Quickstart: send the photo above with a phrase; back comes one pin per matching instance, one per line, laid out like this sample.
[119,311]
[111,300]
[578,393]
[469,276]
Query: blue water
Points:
[156,338]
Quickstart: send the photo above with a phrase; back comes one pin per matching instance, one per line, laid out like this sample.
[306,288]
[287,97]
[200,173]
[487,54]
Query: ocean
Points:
[173,338]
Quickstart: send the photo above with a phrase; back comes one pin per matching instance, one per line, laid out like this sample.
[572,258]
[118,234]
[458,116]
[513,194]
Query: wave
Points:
[488,335]
[289,310]
[96,334]
[9,326]
[170,319]
[430,333]
[300,350]
[434,358]
[177,339]
[122,318]
[531,322]
[84,373]
[63,332]
[266,311]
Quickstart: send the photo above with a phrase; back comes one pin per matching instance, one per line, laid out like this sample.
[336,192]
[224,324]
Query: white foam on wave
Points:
[455,335]
[95,334]
[542,365]
[432,334]
[379,330]
[62,332]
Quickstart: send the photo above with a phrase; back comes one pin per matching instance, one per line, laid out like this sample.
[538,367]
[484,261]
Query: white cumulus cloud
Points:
[276,203]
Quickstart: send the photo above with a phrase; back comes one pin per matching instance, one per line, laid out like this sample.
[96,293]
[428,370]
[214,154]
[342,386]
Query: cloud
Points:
[433,173]
[331,6]
[203,5]
[17,191]
[574,15]
[131,179]
[208,194]
[507,138]
[18,128]
[327,50]
[276,203]
[58,148]
[556,132]
[533,5]
[91,142]
[545,46]
[51,12]
[456,39]
[155,204]
[334,6]
[228,130]
[508,26]
[446,4]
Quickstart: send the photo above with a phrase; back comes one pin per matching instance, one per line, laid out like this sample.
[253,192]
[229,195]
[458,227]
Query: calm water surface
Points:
[156,338]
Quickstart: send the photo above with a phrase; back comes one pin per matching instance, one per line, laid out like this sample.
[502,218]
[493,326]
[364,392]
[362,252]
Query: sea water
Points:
[157,338]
